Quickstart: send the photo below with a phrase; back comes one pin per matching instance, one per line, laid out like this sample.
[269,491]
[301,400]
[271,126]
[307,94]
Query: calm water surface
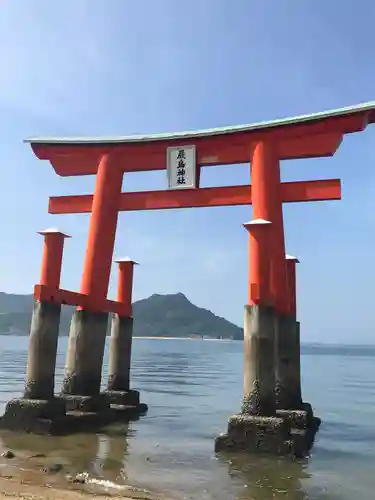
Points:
[192,387]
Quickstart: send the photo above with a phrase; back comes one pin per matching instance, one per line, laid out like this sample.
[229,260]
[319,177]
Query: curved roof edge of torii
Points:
[368,106]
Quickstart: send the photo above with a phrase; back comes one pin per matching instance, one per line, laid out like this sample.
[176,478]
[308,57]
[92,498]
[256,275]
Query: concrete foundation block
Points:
[266,435]
[254,434]
[68,414]
[127,398]
[34,408]
[301,418]
[295,419]
[49,418]
[303,439]
[91,404]
[134,411]
[301,442]
[303,427]
[307,408]
[30,415]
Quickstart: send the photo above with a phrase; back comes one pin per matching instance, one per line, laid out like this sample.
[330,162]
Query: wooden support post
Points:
[120,347]
[259,374]
[38,397]
[257,428]
[125,283]
[291,263]
[83,369]
[40,372]
[52,257]
[288,356]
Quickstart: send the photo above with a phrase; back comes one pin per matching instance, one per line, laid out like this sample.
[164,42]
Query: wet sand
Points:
[11,488]
[66,468]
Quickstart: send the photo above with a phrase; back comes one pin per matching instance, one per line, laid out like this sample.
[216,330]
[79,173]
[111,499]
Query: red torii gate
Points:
[271,277]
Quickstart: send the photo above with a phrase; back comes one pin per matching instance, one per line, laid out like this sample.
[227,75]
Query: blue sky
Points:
[89,67]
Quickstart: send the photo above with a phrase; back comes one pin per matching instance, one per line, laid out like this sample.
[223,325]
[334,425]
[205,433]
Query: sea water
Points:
[192,387]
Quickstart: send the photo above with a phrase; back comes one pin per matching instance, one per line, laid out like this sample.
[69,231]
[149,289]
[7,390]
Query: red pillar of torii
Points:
[262,145]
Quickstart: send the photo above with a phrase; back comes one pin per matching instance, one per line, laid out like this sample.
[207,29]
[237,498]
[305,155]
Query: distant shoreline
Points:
[308,345]
[19,334]
[182,338]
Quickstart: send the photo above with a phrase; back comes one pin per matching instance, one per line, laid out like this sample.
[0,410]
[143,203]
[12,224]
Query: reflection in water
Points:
[260,478]
[102,456]
[111,459]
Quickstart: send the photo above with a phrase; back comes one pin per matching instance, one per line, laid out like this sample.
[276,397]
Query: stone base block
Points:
[256,434]
[39,421]
[33,408]
[23,413]
[91,404]
[302,442]
[300,418]
[295,419]
[290,433]
[303,439]
[130,397]
[303,425]
[307,408]
[138,410]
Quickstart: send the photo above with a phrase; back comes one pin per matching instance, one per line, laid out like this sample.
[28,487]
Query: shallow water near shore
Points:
[192,387]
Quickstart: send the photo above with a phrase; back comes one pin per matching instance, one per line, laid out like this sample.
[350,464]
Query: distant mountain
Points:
[12,302]
[158,316]
[175,316]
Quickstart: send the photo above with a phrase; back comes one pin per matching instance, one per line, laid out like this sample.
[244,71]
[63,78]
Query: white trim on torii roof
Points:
[367,106]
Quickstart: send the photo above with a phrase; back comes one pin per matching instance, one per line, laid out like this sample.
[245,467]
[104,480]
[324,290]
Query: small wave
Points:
[106,484]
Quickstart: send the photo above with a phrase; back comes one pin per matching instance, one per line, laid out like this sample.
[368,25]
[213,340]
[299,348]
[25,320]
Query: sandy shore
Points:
[69,467]
[11,488]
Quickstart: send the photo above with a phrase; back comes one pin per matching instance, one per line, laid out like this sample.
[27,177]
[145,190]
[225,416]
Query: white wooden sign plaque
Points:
[182,167]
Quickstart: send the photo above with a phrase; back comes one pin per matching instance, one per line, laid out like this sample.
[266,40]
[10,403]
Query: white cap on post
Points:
[292,258]
[255,223]
[53,230]
[126,259]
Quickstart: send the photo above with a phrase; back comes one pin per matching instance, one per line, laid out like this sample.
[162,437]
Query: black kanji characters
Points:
[181,167]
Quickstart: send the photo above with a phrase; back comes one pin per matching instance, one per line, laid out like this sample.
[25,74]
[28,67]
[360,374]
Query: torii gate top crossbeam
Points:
[306,136]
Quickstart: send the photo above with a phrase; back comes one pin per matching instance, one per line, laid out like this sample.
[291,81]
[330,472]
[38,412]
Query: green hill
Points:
[157,316]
